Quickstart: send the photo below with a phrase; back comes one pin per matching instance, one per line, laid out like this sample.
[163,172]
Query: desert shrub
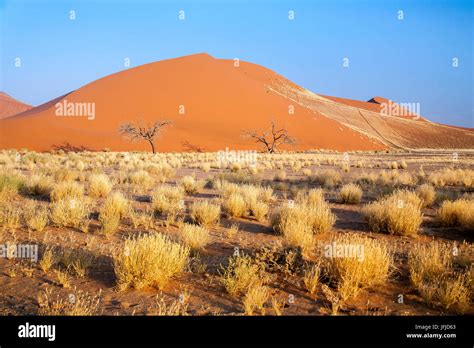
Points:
[195,237]
[117,204]
[47,260]
[280,176]
[457,213]
[255,298]
[191,185]
[399,214]
[9,217]
[433,275]
[64,174]
[326,178]
[259,210]
[311,197]
[235,167]
[99,185]
[38,185]
[10,183]
[35,216]
[84,304]
[234,205]
[241,273]
[205,213]
[299,221]
[149,260]
[71,212]
[67,190]
[168,200]
[265,194]
[109,221]
[452,177]
[366,265]
[311,278]
[427,194]
[205,167]
[141,180]
[350,194]
[141,218]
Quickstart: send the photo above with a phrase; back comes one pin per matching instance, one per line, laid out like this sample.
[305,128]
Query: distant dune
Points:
[10,106]
[219,101]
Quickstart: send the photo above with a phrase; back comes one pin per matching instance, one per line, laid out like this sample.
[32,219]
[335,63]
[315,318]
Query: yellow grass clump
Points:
[195,237]
[399,214]
[9,217]
[298,221]
[354,262]
[191,185]
[457,213]
[71,212]
[427,194]
[35,216]
[168,200]
[149,260]
[99,185]
[241,273]
[432,274]
[77,303]
[205,213]
[66,190]
[452,177]
[255,298]
[10,183]
[235,205]
[326,178]
[38,185]
[350,194]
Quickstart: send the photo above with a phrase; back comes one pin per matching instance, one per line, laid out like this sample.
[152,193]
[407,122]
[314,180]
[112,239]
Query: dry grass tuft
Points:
[191,185]
[255,298]
[326,178]
[311,278]
[168,201]
[235,205]
[432,274]
[99,185]
[9,217]
[35,216]
[457,213]
[66,191]
[78,303]
[426,193]
[38,185]
[353,262]
[70,213]
[149,260]
[195,237]
[205,213]
[399,214]
[350,194]
[241,273]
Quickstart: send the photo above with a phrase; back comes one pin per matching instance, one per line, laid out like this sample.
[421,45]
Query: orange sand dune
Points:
[219,101]
[10,106]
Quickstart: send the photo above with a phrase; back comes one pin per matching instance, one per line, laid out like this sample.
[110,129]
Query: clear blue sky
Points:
[407,60]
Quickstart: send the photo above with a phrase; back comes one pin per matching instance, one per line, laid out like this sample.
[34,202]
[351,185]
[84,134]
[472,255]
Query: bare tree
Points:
[140,131]
[271,138]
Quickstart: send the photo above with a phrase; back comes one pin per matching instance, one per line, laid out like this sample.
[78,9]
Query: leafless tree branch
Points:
[270,139]
[141,131]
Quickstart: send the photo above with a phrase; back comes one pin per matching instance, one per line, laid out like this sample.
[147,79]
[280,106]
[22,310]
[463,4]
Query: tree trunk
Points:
[152,146]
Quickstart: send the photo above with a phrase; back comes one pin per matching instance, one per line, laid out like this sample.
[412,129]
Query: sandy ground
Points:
[21,281]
